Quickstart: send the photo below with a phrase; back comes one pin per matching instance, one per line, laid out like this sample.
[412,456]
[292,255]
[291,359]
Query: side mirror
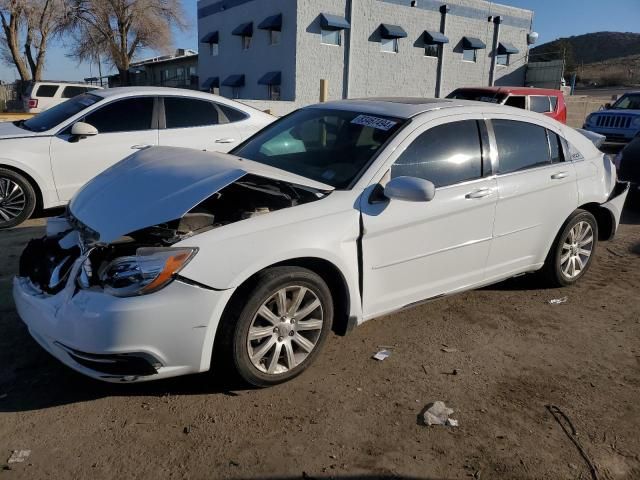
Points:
[410,189]
[607,106]
[82,130]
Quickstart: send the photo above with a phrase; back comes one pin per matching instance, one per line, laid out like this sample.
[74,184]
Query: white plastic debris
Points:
[437,413]
[558,301]
[381,355]
[19,456]
[449,349]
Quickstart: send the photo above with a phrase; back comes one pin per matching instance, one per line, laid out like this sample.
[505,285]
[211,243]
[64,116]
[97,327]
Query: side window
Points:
[127,115]
[540,103]
[445,155]
[189,112]
[516,101]
[232,114]
[72,91]
[554,103]
[555,147]
[521,145]
[47,91]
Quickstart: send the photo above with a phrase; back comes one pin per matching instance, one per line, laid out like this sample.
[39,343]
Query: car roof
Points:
[400,107]
[127,91]
[515,90]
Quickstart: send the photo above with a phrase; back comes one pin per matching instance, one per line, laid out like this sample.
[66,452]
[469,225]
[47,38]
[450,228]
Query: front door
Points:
[200,124]
[414,251]
[124,127]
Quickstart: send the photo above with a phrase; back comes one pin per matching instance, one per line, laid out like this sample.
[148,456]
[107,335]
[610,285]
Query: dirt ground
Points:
[350,416]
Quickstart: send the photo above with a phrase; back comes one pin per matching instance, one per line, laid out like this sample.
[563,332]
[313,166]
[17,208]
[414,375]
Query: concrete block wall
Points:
[580,106]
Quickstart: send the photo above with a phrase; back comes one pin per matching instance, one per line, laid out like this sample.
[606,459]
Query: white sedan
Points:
[175,261]
[46,159]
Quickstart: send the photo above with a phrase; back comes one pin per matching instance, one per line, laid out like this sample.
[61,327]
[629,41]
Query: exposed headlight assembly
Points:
[148,271]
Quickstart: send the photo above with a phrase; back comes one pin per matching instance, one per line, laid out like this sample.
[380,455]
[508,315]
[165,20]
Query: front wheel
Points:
[17,199]
[573,249]
[281,326]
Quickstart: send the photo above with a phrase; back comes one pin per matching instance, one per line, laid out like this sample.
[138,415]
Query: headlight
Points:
[149,270]
[588,120]
[636,122]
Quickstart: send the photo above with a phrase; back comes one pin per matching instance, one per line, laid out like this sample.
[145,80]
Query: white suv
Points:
[177,260]
[46,159]
[43,95]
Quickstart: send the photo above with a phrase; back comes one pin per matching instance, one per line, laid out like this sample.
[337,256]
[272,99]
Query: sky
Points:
[553,19]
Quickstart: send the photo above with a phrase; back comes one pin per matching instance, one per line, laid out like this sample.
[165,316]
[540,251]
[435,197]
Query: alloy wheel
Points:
[285,330]
[577,248]
[13,200]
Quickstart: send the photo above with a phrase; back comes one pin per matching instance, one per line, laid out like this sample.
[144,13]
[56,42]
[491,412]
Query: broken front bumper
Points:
[615,204]
[122,339]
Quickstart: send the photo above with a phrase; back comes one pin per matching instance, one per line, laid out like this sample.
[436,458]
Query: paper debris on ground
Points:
[558,301]
[19,456]
[449,349]
[382,354]
[437,413]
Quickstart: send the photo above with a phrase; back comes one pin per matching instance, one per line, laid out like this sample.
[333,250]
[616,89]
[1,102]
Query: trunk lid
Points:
[161,184]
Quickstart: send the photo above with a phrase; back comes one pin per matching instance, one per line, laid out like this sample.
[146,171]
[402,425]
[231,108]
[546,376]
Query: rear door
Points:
[124,127]
[537,193]
[418,250]
[201,124]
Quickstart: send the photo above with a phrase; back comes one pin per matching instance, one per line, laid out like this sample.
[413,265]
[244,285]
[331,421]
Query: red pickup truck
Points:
[541,100]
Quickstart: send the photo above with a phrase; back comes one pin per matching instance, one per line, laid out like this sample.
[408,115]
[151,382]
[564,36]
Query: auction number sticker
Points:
[374,122]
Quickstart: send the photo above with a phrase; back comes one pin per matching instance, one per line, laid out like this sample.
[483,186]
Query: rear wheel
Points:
[17,199]
[281,326]
[572,252]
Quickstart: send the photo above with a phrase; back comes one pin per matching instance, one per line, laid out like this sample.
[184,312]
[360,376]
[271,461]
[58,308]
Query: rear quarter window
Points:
[46,91]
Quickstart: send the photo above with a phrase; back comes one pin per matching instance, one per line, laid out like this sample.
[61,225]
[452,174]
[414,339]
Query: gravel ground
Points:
[350,416]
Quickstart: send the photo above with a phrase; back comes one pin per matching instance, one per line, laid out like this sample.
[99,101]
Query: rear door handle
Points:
[559,175]
[481,193]
[139,147]
[226,140]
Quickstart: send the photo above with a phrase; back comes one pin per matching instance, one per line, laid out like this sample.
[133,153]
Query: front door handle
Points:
[226,140]
[559,175]
[481,193]
[139,147]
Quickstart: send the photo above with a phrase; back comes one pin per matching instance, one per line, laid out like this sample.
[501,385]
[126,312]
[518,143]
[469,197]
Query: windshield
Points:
[329,146]
[477,95]
[53,116]
[628,102]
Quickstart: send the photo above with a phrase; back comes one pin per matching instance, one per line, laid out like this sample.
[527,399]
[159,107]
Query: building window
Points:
[331,37]
[213,49]
[389,45]
[503,59]
[274,92]
[469,55]
[246,42]
[431,50]
[274,37]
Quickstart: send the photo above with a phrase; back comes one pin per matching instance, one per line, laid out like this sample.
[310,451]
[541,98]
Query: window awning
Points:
[431,37]
[211,82]
[505,48]
[333,22]
[273,22]
[212,37]
[234,81]
[244,30]
[271,78]
[392,31]
[473,43]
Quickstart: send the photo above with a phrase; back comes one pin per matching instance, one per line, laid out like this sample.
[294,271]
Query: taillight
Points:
[33,103]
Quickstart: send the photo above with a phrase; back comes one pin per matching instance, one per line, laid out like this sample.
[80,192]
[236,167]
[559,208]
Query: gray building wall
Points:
[261,58]
[370,71]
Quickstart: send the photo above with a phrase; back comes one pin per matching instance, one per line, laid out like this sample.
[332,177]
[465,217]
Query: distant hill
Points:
[591,47]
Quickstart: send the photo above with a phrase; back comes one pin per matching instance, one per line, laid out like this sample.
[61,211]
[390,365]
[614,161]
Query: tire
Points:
[257,309]
[568,261]
[17,199]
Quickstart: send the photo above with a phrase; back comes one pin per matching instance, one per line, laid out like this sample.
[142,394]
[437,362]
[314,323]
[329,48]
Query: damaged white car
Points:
[176,261]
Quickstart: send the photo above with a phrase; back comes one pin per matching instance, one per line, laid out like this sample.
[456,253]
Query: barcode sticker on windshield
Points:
[374,122]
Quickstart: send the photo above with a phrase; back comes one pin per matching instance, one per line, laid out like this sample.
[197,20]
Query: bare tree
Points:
[36,22]
[120,28]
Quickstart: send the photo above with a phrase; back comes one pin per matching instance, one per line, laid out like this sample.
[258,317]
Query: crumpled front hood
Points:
[162,184]
[8,130]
